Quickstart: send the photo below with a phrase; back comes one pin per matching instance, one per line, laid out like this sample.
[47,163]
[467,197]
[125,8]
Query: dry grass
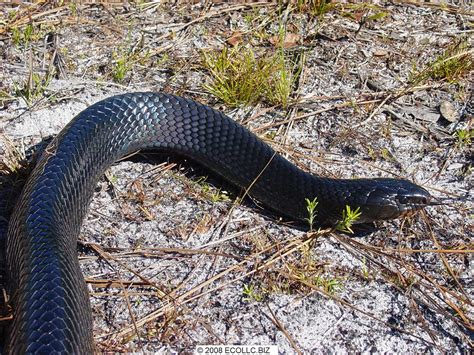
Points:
[456,62]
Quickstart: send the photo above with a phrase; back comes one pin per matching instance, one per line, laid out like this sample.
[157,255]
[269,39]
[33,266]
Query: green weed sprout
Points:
[349,217]
[251,294]
[311,208]
[464,137]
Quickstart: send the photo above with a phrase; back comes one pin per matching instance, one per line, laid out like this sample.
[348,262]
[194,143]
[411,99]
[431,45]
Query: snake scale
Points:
[51,310]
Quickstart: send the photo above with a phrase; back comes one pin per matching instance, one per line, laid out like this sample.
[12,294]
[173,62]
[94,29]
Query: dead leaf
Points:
[289,41]
[235,38]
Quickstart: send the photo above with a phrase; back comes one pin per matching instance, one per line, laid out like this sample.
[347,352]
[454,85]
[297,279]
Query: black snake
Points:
[51,310]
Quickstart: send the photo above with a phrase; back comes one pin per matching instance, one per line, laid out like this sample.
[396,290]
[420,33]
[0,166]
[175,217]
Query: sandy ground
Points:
[171,262]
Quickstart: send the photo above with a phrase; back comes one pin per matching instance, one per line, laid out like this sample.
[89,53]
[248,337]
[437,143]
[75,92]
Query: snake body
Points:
[51,310]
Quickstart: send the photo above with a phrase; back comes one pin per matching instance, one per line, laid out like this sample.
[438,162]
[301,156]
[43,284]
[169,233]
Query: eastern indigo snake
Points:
[51,310]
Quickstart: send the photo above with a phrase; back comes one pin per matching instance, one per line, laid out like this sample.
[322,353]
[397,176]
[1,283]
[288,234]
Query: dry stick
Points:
[435,176]
[6,307]
[63,21]
[288,127]
[109,293]
[458,311]
[229,216]
[280,326]
[232,236]
[445,262]
[186,280]
[126,294]
[466,324]
[374,112]
[103,283]
[373,95]
[442,251]
[446,300]
[260,112]
[28,18]
[151,252]
[132,315]
[435,64]
[422,320]
[246,193]
[220,12]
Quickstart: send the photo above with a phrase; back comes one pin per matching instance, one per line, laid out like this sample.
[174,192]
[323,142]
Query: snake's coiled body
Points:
[49,295]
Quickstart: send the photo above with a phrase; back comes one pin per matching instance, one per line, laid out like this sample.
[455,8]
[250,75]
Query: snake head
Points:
[393,198]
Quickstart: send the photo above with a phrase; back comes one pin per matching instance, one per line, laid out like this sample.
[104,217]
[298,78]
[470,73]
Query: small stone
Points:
[455,166]
[448,111]
[380,53]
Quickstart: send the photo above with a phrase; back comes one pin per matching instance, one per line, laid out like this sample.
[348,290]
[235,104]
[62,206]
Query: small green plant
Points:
[311,208]
[280,84]
[161,62]
[251,16]
[73,9]
[315,7]
[250,294]
[365,269]
[122,64]
[456,61]
[239,77]
[331,286]
[5,96]
[464,137]
[210,192]
[126,56]
[215,195]
[23,36]
[349,217]
[28,33]
[386,155]
[16,36]
[33,87]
